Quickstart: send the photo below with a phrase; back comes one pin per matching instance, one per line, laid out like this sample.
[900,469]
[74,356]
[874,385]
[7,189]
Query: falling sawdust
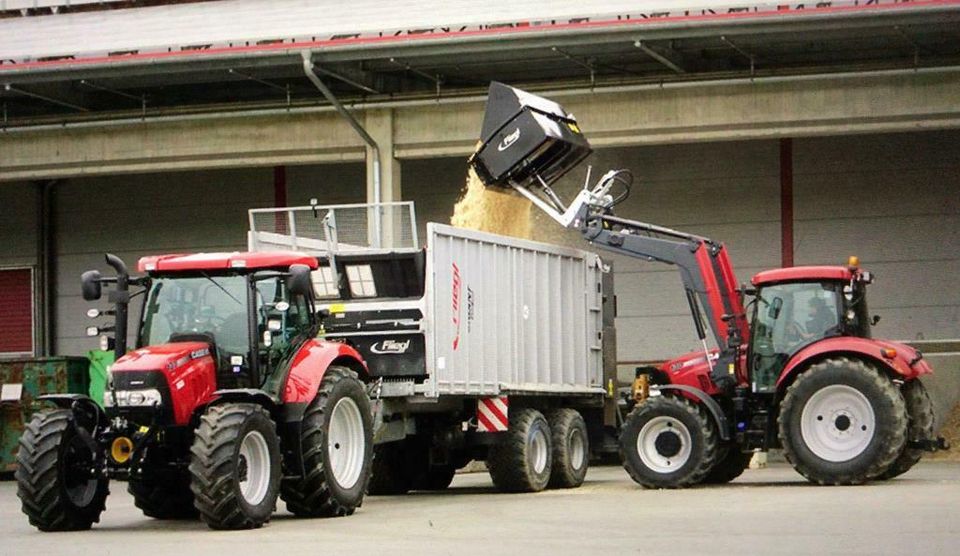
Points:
[491,210]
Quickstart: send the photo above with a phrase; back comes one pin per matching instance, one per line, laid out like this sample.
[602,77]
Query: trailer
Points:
[482,347]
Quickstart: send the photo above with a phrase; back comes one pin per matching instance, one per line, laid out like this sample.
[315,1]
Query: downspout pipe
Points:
[308,70]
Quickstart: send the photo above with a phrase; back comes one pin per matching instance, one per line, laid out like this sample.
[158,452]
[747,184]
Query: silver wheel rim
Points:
[345,443]
[538,451]
[578,451]
[255,457]
[837,423]
[651,456]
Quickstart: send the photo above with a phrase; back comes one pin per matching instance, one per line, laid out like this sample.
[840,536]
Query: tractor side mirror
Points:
[775,307]
[90,285]
[298,282]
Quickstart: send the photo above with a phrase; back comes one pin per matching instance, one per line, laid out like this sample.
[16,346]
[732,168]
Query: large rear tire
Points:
[235,466]
[921,417]
[571,448]
[54,485]
[522,459]
[162,491]
[668,442]
[842,422]
[337,442]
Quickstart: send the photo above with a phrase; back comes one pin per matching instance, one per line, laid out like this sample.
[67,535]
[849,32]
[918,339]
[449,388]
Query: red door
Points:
[16,311]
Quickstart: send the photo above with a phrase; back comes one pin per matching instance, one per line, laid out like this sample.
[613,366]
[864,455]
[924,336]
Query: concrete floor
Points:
[768,511]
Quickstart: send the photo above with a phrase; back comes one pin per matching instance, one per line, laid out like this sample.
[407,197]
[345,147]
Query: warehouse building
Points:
[796,133]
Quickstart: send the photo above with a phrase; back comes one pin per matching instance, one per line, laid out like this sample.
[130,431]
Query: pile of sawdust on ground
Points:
[950,431]
[492,210]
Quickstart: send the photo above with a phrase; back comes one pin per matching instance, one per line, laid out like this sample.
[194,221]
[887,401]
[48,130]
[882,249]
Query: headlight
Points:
[133,398]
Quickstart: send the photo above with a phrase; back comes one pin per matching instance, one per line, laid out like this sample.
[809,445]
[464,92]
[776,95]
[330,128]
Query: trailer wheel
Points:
[668,442]
[729,467]
[54,483]
[162,492]
[235,466]
[842,422]
[571,448]
[521,460]
[390,473]
[435,477]
[921,418]
[337,442]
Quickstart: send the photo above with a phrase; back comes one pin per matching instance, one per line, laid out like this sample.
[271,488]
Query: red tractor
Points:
[228,401]
[796,368]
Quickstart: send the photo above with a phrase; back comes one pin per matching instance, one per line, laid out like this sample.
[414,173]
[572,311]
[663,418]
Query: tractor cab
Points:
[251,309]
[798,306]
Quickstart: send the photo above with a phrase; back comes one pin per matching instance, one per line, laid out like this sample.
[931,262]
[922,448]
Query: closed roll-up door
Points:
[16,311]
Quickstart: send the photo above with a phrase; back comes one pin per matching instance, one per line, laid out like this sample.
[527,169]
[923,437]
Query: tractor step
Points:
[930,444]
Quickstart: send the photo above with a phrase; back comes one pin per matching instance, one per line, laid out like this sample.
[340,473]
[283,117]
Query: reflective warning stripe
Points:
[492,414]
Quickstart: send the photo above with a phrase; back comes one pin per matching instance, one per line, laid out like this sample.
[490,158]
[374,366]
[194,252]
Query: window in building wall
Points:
[16,311]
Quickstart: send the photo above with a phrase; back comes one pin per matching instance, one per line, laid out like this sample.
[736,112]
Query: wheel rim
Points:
[578,451]
[664,444]
[837,423]
[254,468]
[345,445]
[79,485]
[538,451]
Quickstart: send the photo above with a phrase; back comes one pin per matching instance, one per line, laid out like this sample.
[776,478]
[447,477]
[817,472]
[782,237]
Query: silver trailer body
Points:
[509,316]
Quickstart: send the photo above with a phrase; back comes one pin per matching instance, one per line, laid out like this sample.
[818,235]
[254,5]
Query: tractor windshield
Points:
[210,305]
[786,318]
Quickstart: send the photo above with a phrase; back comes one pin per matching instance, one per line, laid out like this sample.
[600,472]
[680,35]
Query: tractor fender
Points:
[308,367]
[81,405]
[249,395]
[719,417]
[908,364]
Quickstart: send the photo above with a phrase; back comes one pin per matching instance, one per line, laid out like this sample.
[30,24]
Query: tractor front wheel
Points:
[235,466]
[57,481]
[668,442]
[337,444]
[842,422]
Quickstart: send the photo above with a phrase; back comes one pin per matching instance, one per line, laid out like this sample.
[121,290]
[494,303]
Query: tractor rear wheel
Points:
[571,448]
[668,442]
[337,441]
[920,415]
[55,474]
[842,422]
[235,466]
[162,491]
[729,467]
[522,459]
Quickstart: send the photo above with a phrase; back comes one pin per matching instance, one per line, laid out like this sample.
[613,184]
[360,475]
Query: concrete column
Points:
[379,124]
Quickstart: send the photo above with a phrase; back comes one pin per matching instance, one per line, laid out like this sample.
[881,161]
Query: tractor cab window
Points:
[280,317]
[786,318]
[181,307]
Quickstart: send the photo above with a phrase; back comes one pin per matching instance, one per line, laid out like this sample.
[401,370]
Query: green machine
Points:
[22,380]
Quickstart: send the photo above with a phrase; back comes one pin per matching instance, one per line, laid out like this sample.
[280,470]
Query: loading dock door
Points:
[16,311]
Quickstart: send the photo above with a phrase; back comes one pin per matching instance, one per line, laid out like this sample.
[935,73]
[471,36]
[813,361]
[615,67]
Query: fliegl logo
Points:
[509,140]
[390,347]
[456,306]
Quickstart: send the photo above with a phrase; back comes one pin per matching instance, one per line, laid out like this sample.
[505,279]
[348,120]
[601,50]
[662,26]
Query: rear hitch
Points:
[929,444]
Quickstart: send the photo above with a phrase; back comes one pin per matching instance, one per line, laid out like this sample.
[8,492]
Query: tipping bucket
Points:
[525,136]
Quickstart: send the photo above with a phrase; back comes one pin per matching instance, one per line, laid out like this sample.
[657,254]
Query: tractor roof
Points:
[224,261]
[802,274]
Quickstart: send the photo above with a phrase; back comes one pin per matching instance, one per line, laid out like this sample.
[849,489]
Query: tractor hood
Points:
[163,357]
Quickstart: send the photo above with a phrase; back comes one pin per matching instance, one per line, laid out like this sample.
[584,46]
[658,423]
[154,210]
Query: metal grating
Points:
[335,228]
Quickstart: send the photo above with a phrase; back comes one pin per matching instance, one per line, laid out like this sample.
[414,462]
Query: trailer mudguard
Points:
[310,364]
[908,362]
[711,404]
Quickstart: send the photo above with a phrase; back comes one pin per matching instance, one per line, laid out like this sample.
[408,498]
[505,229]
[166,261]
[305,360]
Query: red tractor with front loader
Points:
[794,368]
[228,400]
